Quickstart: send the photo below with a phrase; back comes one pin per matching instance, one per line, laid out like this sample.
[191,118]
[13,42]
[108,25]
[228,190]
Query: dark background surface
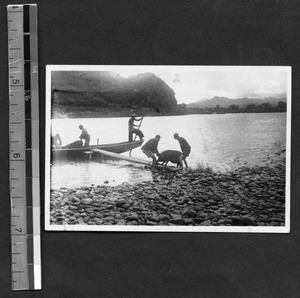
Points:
[160,264]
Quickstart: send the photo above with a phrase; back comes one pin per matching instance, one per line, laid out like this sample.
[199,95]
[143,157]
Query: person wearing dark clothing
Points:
[150,149]
[132,128]
[185,148]
[84,135]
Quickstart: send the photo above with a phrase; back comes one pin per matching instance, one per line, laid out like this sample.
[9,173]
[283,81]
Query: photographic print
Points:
[168,148]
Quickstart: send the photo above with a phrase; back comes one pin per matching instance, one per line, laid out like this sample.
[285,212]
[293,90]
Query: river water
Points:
[222,141]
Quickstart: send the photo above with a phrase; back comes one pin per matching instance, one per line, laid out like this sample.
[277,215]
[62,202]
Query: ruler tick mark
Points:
[17,160]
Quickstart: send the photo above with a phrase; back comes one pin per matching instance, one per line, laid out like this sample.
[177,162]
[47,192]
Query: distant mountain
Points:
[105,89]
[241,102]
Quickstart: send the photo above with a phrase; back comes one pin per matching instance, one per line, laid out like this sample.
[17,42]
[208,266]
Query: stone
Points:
[206,223]
[98,221]
[120,203]
[202,214]
[69,212]
[80,221]
[91,223]
[153,218]
[192,213]
[91,209]
[151,223]
[80,195]
[185,212]
[87,201]
[121,222]
[222,221]
[132,223]
[132,217]
[73,207]
[176,219]
[164,217]
[188,221]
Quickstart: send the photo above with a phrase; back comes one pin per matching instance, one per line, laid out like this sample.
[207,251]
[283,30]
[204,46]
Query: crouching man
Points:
[150,149]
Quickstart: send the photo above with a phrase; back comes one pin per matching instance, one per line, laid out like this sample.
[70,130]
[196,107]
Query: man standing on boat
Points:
[150,149]
[84,135]
[185,148]
[132,127]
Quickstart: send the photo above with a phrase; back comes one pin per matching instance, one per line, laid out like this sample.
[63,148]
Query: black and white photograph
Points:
[168,148]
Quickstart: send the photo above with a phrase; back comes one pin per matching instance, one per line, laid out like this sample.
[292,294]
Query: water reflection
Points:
[84,173]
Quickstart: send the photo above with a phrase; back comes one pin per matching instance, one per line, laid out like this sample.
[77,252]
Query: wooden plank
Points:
[132,159]
[122,157]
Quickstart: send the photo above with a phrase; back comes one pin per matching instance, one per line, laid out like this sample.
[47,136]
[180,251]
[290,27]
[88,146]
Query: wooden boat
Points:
[77,153]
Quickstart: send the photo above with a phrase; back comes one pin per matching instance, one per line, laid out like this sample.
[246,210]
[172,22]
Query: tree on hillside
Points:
[250,108]
[281,106]
[233,108]
[267,107]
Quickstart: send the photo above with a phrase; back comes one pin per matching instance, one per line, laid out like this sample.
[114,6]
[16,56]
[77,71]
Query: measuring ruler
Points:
[24,146]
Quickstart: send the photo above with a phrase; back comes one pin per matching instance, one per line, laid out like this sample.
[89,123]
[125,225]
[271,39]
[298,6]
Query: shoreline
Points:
[103,113]
[242,197]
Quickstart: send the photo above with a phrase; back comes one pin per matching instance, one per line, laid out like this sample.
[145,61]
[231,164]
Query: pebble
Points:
[243,197]
[87,201]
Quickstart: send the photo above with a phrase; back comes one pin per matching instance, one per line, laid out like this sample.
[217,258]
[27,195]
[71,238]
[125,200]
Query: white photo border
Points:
[120,228]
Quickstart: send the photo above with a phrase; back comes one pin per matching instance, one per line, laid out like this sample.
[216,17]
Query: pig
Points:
[169,155]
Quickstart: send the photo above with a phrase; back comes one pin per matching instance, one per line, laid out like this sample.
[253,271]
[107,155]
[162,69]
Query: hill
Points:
[241,102]
[74,91]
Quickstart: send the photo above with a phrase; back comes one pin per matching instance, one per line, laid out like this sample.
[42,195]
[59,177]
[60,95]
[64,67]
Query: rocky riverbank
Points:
[244,197]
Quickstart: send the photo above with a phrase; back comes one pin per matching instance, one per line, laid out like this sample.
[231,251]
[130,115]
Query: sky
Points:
[204,82]
[196,83]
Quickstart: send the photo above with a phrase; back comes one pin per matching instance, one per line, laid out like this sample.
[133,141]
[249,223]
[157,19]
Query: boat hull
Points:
[84,153]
